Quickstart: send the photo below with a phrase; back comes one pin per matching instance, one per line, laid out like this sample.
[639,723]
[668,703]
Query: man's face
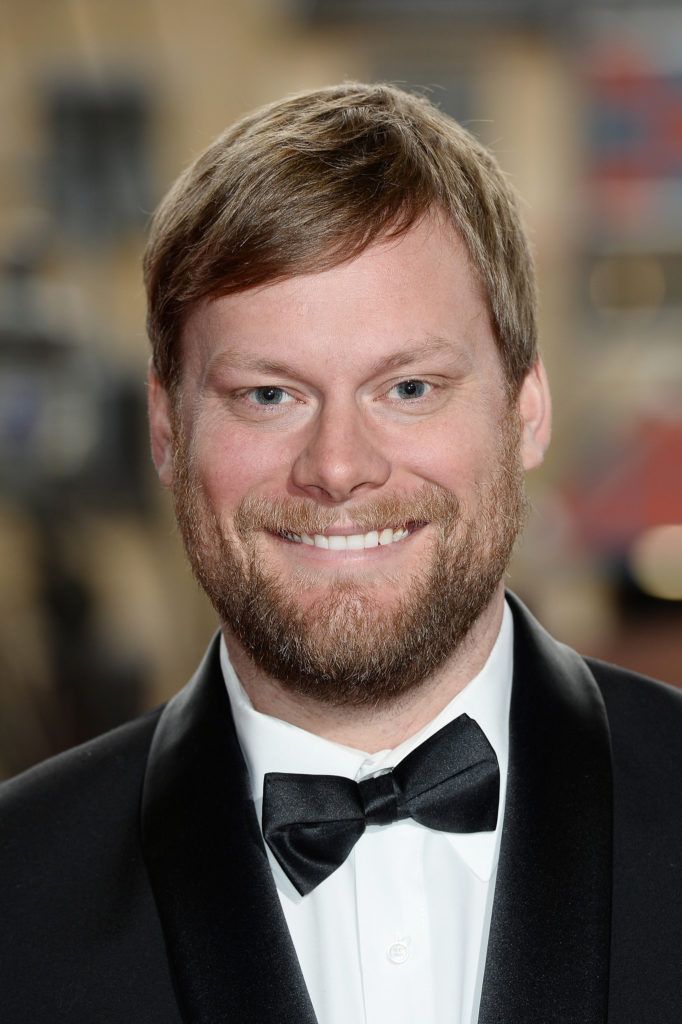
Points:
[347,467]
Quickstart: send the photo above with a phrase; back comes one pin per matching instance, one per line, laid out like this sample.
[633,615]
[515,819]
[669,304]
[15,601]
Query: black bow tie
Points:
[450,783]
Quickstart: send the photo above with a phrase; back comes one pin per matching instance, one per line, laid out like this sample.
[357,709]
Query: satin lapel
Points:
[548,953]
[230,951]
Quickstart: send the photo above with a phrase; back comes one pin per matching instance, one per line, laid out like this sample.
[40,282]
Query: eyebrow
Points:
[403,357]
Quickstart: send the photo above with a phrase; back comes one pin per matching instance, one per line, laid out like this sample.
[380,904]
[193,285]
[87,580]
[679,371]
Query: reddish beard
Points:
[347,648]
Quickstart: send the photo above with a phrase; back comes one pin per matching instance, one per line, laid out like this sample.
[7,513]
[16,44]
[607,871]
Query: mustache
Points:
[430,504]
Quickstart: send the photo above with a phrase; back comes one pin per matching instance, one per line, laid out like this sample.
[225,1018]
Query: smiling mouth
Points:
[352,541]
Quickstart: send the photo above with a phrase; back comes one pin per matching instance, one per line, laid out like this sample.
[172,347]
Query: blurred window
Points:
[98,157]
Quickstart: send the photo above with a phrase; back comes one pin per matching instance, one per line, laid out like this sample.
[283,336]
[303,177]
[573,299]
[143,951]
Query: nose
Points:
[339,459]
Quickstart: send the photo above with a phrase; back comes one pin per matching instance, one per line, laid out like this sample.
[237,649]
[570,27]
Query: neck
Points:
[373,729]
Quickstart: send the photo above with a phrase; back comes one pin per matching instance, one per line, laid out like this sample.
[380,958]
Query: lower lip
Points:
[309,551]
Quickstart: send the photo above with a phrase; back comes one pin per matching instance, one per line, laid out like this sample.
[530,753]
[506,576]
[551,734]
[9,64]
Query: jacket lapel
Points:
[548,952]
[228,944]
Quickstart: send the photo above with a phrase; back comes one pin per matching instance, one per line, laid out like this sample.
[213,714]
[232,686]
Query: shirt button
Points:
[398,953]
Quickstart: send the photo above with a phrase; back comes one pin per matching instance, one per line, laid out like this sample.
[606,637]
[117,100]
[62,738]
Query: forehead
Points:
[399,295]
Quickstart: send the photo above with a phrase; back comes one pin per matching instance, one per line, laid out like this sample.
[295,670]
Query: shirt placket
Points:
[392,933]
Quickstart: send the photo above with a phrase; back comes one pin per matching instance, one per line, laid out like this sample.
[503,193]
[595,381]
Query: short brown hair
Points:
[310,181]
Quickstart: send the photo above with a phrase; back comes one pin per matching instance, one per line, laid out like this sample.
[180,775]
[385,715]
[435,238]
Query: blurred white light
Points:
[656,562]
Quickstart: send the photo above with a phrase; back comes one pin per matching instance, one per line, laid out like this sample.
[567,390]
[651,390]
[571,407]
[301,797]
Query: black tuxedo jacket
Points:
[135,888]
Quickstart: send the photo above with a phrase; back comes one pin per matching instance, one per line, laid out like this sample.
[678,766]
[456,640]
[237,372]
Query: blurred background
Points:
[103,104]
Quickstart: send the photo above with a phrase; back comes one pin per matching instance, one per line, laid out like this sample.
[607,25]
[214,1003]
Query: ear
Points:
[535,413]
[160,426]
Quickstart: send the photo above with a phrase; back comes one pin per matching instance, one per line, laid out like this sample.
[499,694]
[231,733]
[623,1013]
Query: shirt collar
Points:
[272,745]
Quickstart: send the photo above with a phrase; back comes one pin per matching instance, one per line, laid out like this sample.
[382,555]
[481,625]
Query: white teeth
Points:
[352,542]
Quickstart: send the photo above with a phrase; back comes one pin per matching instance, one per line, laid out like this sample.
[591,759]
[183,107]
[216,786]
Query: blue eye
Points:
[269,396]
[411,389]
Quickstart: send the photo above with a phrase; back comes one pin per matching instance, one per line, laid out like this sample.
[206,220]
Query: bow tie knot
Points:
[450,783]
[381,799]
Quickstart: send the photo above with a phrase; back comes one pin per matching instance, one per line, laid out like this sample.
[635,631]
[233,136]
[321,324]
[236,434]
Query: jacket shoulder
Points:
[645,724]
[80,938]
[73,811]
[638,707]
[112,762]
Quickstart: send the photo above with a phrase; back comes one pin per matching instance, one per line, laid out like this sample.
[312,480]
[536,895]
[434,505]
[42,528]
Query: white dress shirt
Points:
[398,934]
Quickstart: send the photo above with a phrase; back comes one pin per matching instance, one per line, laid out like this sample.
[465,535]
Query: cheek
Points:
[456,456]
[232,466]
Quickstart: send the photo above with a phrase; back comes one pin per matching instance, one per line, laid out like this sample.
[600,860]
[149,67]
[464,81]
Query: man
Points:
[387,794]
